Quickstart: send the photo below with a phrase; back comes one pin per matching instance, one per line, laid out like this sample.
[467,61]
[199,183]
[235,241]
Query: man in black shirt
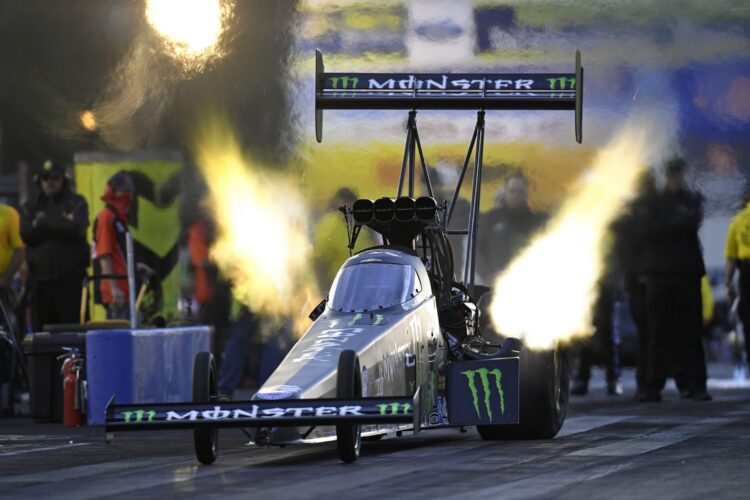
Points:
[53,226]
[507,228]
[673,266]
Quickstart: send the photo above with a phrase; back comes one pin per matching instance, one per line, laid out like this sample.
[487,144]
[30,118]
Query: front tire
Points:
[348,386]
[543,399]
[205,390]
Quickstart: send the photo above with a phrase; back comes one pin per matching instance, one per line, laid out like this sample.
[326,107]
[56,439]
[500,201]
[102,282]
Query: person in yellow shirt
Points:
[11,245]
[11,258]
[737,253]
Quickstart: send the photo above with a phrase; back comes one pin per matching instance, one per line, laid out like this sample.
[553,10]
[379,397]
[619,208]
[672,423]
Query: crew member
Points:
[737,253]
[109,249]
[628,251]
[53,225]
[673,268]
[11,245]
[507,228]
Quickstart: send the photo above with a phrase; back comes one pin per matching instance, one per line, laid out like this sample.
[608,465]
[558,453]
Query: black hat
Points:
[50,168]
[122,181]
[676,165]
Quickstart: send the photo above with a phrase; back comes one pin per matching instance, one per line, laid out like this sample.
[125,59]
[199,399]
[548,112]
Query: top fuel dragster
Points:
[396,344]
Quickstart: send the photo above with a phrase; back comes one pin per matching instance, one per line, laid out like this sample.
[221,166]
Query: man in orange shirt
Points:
[109,250]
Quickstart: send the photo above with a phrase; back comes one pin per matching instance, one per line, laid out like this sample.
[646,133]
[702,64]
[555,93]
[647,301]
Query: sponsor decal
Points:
[483,374]
[326,343]
[254,412]
[562,83]
[525,84]
[278,392]
[393,408]
[346,82]
[367,319]
[138,415]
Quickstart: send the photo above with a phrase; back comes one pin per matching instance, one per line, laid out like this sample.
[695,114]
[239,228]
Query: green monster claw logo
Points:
[564,82]
[484,377]
[392,408]
[345,81]
[139,415]
[361,319]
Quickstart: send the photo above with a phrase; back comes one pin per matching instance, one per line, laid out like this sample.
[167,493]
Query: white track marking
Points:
[577,425]
[45,448]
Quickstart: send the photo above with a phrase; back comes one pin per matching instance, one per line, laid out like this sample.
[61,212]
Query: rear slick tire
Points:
[348,386]
[543,399]
[205,390]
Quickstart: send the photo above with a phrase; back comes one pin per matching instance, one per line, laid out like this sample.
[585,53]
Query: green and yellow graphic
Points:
[139,416]
[562,83]
[393,408]
[484,374]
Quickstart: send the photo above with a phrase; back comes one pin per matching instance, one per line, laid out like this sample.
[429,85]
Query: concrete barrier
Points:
[141,366]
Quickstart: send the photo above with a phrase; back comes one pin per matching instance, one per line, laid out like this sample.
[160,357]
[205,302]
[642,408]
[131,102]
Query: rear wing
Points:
[448,91]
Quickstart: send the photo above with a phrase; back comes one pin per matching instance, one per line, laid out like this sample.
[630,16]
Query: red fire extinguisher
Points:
[72,400]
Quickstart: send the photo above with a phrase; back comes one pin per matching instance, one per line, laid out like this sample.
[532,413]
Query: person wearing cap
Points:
[673,268]
[109,247]
[53,226]
[737,254]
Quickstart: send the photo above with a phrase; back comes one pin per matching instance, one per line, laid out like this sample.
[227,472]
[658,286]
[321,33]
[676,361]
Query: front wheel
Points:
[543,399]
[205,390]
[348,386]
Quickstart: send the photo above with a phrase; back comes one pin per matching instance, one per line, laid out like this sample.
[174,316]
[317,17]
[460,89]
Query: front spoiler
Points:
[263,413]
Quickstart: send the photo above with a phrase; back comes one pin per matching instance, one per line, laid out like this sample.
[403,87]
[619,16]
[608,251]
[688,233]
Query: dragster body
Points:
[383,308]
[397,344]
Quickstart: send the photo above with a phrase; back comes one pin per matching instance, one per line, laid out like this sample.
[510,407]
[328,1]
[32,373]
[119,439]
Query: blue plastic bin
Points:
[141,366]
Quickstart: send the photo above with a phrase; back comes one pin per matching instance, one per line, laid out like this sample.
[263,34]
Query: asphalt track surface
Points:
[609,447]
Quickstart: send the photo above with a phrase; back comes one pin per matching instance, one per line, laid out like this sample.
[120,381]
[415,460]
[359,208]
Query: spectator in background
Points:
[673,266]
[507,228]
[737,253]
[444,177]
[11,246]
[330,248]
[604,335]
[53,226]
[109,248]
[11,259]
[628,253]
[212,293]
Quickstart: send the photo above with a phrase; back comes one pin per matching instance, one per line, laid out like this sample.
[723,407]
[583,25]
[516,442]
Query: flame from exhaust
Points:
[547,292]
[262,244]
[190,29]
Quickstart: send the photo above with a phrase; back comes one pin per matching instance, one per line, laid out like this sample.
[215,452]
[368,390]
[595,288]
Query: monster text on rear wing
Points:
[448,91]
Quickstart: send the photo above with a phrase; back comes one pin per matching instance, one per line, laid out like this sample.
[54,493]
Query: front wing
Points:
[263,413]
